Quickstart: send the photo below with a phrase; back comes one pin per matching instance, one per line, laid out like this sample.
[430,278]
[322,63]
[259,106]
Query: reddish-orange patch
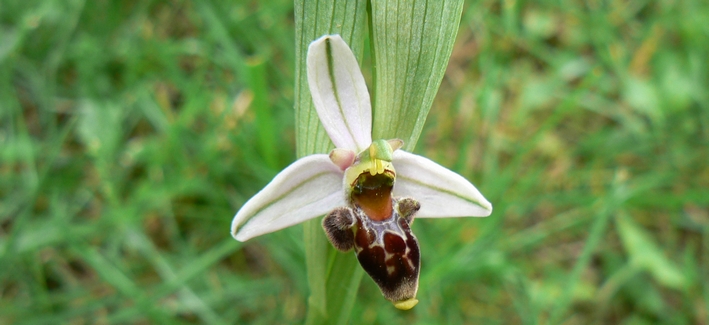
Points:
[376,203]
[373,195]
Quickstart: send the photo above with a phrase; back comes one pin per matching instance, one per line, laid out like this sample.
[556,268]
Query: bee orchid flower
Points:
[369,191]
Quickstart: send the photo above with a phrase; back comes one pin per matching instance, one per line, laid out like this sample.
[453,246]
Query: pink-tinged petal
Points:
[441,192]
[343,158]
[339,93]
[308,188]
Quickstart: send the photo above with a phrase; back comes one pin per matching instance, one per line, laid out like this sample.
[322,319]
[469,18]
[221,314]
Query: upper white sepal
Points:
[339,93]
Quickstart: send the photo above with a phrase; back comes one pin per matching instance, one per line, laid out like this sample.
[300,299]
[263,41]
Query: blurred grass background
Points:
[132,131]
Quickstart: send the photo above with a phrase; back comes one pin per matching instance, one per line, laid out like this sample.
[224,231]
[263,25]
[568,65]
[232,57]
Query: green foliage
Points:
[131,132]
[411,44]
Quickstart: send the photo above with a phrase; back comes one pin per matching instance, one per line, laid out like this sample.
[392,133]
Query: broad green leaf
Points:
[411,42]
[329,299]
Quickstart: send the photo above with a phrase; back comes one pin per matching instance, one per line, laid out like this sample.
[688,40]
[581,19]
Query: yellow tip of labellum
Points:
[406,304]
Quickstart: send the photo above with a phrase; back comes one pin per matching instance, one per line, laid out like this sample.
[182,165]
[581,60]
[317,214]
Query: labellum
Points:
[377,225]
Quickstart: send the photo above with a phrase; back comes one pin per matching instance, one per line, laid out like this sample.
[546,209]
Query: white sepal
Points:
[441,192]
[308,188]
[339,93]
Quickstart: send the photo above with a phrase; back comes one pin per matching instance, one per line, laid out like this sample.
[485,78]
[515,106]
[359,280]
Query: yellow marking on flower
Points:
[377,166]
[375,160]
[373,149]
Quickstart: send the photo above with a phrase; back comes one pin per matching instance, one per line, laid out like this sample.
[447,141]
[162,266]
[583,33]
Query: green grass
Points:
[131,132]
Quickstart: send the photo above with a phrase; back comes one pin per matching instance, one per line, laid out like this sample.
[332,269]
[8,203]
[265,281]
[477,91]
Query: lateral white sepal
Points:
[308,188]
[441,192]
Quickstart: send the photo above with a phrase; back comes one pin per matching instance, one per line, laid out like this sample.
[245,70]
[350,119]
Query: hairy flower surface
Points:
[369,190]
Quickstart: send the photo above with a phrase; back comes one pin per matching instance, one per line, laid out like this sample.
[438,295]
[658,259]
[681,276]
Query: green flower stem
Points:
[333,277]
[412,41]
